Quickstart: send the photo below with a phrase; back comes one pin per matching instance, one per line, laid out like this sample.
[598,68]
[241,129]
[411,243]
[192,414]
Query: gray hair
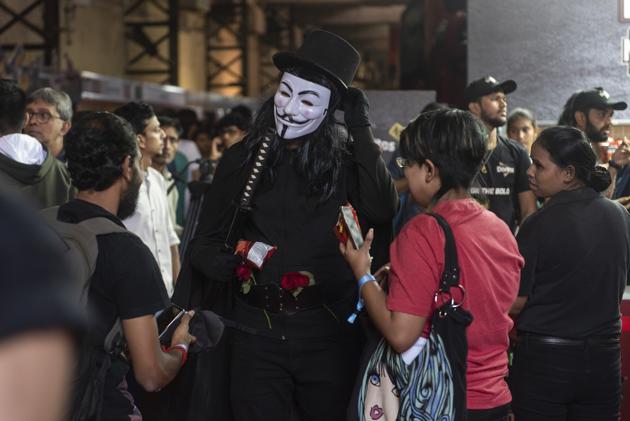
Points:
[51,96]
[519,113]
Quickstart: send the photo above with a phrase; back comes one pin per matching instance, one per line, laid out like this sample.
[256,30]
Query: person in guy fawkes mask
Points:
[293,351]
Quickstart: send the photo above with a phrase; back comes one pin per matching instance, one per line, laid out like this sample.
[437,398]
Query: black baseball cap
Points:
[485,86]
[596,98]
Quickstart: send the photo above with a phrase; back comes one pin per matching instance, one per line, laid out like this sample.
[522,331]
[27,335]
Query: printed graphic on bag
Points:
[393,390]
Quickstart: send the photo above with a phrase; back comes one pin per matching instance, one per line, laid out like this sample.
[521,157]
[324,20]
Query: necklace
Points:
[484,169]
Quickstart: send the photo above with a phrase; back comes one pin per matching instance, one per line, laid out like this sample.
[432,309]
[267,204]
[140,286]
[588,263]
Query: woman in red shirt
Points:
[441,152]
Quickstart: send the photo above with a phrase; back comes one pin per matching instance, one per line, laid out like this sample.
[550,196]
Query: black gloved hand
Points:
[221,267]
[356,108]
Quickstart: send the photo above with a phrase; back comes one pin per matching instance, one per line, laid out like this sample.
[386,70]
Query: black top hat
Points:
[326,52]
[596,98]
[485,86]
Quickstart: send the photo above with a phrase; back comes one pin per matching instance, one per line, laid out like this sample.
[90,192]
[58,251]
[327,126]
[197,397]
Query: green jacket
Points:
[47,184]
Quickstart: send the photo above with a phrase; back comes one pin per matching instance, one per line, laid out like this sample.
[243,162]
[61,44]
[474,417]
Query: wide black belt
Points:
[526,337]
[274,299]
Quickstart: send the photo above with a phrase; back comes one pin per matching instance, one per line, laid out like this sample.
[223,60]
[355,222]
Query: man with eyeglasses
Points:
[27,166]
[49,113]
[501,182]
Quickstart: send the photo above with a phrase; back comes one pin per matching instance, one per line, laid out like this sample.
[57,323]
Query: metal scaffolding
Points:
[279,37]
[40,20]
[226,48]
[151,33]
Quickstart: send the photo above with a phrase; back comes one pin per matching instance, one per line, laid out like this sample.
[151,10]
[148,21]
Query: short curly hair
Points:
[96,147]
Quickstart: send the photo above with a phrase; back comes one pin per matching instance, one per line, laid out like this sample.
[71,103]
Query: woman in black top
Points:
[577,257]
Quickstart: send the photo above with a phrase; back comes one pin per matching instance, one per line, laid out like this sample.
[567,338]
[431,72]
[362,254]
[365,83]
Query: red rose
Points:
[243,272]
[293,280]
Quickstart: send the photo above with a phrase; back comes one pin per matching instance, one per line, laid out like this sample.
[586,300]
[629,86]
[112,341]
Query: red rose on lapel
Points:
[243,272]
[293,280]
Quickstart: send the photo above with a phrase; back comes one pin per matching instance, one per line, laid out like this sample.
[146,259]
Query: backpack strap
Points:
[84,234]
[450,276]
[114,342]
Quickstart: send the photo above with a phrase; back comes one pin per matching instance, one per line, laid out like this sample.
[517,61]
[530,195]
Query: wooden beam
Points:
[361,32]
[348,15]
[328,3]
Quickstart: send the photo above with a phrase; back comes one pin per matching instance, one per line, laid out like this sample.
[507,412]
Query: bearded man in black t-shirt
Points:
[501,182]
[103,160]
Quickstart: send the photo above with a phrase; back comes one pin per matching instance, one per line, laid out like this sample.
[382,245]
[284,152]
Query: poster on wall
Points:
[391,111]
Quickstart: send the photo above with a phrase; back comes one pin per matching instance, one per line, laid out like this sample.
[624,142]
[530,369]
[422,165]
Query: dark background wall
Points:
[551,48]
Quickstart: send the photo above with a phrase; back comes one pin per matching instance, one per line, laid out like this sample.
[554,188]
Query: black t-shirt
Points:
[577,262]
[126,284]
[501,179]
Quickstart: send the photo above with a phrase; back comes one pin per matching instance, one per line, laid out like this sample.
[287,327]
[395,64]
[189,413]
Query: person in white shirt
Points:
[151,221]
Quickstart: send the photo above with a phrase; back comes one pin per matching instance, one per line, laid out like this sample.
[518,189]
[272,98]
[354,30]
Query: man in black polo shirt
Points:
[501,183]
[103,160]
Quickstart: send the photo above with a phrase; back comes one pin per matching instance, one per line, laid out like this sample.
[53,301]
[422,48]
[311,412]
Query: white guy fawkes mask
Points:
[299,106]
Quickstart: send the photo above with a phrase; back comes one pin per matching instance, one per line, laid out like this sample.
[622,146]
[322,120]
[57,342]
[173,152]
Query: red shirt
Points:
[490,266]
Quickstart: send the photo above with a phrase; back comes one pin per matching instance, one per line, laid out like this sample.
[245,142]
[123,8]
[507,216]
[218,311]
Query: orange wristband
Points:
[180,348]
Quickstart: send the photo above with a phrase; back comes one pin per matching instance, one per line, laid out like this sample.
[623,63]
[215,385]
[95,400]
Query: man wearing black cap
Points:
[501,183]
[294,350]
[591,111]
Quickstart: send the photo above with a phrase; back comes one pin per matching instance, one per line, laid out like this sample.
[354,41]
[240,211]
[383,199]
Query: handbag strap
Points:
[450,276]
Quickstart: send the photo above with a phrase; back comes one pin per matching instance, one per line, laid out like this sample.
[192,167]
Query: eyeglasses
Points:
[402,162]
[42,118]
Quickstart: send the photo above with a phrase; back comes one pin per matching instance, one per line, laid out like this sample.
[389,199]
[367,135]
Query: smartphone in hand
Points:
[167,321]
[348,227]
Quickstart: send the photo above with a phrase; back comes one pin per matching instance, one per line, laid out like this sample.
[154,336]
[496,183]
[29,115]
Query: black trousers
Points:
[566,382]
[501,413]
[306,379]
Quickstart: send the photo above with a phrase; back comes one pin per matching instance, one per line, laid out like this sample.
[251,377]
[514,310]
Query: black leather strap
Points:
[524,337]
[450,276]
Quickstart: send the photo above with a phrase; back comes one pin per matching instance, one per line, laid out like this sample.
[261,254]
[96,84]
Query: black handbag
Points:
[433,385]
